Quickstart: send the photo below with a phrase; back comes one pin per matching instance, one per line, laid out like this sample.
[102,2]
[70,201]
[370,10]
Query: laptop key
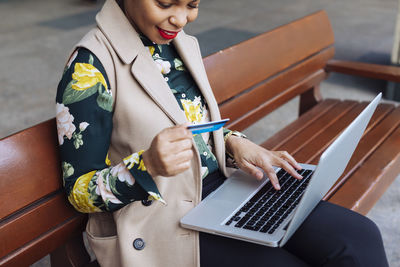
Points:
[246,207]
[249,227]
[235,219]
[243,221]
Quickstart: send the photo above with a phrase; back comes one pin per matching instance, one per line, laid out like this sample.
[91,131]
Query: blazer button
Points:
[138,244]
[146,202]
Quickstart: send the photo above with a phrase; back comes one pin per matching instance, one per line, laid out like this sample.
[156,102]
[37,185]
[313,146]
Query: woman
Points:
[127,94]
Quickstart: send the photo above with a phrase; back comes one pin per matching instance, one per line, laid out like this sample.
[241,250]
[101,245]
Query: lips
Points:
[167,34]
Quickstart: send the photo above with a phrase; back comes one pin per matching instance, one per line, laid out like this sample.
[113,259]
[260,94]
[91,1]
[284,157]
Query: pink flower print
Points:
[103,188]
[65,126]
[123,174]
[163,66]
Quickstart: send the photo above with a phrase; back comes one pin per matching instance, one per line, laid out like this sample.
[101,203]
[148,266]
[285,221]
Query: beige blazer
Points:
[143,106]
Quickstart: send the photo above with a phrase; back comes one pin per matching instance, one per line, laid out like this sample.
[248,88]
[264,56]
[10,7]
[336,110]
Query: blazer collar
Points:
[127,44]
[116,27]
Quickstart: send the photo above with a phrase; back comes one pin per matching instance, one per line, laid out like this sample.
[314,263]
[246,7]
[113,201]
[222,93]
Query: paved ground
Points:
[36,36]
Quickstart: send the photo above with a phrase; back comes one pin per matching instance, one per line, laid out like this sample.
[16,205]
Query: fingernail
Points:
[278,187]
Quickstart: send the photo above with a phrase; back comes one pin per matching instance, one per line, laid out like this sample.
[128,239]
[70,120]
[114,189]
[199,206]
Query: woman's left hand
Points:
[248,156]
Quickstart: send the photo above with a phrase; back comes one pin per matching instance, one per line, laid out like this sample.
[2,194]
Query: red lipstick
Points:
[167,34]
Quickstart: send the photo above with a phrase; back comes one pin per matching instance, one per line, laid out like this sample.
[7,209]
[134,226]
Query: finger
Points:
[286,156]
[176,133]
[181,145]
[181,157]
[251,169]
[181,167]
[270,171]
[289,168]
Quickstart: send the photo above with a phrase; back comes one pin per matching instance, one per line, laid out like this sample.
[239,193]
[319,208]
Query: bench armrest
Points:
[374,71]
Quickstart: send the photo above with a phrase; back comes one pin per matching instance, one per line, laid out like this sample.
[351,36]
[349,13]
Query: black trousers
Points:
[330,236]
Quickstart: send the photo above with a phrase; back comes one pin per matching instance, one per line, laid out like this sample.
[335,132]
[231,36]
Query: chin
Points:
[161,42]
[166,41]
[158,40]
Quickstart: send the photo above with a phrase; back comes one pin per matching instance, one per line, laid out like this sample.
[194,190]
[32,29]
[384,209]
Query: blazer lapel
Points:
[152,81]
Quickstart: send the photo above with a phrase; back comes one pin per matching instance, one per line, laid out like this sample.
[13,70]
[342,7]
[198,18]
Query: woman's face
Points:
[161,20]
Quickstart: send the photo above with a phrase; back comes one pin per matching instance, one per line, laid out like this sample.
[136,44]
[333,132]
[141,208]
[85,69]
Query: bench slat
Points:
[308,153]
[366,146]
[372,178]
[37,217]
[20,153]
[249,62]
[298,125]
[40,247]
[303,138]
[380,128]
[380,113]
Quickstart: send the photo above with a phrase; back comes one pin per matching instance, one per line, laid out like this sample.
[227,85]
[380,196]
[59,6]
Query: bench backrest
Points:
[35,217]
[254,77]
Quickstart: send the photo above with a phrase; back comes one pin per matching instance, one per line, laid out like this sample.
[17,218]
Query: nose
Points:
[179,20]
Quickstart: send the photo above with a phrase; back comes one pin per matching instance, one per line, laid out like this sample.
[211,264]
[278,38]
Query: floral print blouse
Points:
[84,124]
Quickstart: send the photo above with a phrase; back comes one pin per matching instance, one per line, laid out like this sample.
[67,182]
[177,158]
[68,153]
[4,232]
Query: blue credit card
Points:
[207,127]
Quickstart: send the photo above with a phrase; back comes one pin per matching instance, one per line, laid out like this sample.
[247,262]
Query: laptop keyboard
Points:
[268,208]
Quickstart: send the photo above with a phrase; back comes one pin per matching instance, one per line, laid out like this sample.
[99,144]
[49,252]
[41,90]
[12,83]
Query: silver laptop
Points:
[251,210]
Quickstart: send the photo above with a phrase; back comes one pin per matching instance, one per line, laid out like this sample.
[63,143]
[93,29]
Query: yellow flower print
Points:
[133,159]
[151,49]
[80,197]
[141,164]
[155,196]
[87,76]
[108,162]
[193,110]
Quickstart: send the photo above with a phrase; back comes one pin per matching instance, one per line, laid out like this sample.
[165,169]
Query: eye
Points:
[164,5]
[193,4]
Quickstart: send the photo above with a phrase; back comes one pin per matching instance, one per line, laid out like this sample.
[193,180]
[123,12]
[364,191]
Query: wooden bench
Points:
[249,80]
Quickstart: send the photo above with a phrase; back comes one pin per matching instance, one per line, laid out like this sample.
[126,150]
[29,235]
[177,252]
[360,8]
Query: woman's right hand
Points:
[170,152]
